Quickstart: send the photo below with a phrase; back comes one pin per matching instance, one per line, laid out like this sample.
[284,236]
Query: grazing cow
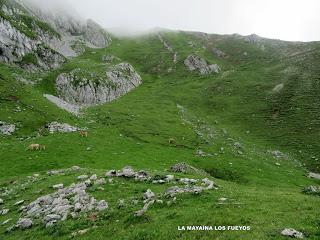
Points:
[172,141]
[36,147]
[83,133]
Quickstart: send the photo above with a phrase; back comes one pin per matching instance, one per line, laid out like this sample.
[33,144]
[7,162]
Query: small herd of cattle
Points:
[38,147]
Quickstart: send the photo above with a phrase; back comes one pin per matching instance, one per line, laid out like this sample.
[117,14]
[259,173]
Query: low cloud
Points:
[294,20]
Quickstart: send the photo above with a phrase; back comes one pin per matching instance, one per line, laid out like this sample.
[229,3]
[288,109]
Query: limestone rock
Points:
[290,232]
[190,187]
[7,128]
[24,223]
[93,177]
[126,172]
[111,173]
[188,181]
[100,181]
[82,177]
[218,52]
[148,195]
[179,167]
[313,190]
[196,63]
[96,35]
[18,47]
[88,182]
[144,209]
[58,186]
[209,183]
[18,203]
[4,211]
[61,127]
[172,191]
[169,178]
[141,175]
[184,167]
[314,175]
[38,38]
[86,88]
[51,219]
[55,207]
[102,205]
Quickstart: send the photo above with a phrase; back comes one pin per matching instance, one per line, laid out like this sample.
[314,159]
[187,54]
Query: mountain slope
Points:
[244,127]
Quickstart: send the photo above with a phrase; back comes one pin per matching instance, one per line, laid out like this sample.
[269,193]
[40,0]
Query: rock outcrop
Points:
[196,63]
[96,35]
[185,168]
[23,41]
[7,128]
[312,190]
[217,52]
[61,127]
[38,38]
[55,207]
[88,88]
[24,223]
[290,232]
[314,175]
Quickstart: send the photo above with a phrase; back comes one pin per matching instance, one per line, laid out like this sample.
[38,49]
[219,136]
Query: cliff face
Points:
[40,39]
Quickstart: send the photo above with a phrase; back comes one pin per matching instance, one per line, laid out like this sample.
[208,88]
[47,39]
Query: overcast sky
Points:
[296,20]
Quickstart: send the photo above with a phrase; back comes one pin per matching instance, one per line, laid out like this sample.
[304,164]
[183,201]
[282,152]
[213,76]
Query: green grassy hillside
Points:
[235,117]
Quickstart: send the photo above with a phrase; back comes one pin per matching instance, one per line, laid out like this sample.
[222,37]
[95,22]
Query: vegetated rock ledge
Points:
[85,88]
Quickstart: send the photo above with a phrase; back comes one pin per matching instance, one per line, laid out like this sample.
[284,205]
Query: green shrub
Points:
[29,58]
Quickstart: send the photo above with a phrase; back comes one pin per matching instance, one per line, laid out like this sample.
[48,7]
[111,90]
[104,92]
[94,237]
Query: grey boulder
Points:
[24,223]
[7,128]
[290,232]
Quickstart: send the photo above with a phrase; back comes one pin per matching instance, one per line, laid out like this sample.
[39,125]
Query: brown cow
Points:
[83,133]
[36,147]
